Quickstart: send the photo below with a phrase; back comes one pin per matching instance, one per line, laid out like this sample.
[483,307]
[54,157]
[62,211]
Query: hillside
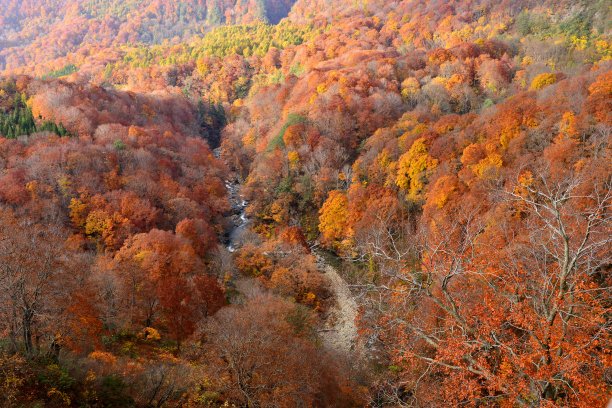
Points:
[37,31]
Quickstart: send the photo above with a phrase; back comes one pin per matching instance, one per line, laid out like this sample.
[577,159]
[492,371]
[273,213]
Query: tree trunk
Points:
[28,316]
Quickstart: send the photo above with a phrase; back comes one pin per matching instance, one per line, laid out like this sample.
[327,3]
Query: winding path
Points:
[340,328]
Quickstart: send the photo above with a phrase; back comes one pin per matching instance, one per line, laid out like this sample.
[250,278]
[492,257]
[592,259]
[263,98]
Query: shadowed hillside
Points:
[324,203]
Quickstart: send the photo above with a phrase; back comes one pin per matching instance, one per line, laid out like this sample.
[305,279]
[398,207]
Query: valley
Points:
[305,203]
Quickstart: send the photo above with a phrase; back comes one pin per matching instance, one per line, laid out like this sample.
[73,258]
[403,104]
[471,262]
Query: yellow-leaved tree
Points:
[414,168]
[333,218]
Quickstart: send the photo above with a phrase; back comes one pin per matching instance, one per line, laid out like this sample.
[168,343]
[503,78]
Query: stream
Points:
[233,238]
[239,219]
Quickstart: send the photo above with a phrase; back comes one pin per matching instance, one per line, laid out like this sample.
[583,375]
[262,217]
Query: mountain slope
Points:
[451,160]
[28,28]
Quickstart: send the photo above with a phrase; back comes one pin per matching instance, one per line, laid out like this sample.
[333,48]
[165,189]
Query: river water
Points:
[239,222]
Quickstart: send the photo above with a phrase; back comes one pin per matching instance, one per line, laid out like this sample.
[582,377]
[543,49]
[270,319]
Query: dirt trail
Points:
[340,329]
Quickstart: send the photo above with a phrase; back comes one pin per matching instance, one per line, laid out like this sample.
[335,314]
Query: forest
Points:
[305,203]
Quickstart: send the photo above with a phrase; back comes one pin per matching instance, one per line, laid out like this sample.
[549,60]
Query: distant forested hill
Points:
[426,183]
[34,31]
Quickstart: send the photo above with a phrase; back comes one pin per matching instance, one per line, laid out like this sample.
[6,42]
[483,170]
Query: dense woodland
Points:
[450,159]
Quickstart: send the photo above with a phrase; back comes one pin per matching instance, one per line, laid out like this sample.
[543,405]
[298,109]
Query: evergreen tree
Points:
[19,121]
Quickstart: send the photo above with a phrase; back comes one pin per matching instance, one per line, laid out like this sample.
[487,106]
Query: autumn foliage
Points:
[179,180]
